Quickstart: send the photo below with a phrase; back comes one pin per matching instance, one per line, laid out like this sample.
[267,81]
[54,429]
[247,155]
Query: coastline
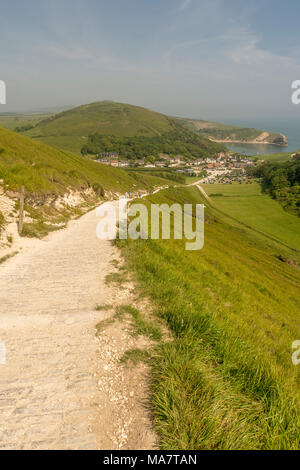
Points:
[250,142]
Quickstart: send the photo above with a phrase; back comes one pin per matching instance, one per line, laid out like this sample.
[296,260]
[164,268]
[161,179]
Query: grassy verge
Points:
[226,380]
[140,324]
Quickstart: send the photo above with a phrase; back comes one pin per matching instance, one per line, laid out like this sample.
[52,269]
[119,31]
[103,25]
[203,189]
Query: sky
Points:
[210,59]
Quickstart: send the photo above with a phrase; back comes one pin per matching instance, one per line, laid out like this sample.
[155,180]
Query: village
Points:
[224,167]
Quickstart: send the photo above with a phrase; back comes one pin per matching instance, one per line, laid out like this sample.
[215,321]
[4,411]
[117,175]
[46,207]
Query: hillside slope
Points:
[226,379]
[71,129]
[43,169]
[58,185]
[218,132]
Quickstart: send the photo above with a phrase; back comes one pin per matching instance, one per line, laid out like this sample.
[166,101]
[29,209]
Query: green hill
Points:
[219,132]
[48,173]
[43,169]
[132,125]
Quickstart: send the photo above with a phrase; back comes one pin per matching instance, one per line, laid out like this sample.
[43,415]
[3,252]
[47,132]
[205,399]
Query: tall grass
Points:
[46,170]
[226,380]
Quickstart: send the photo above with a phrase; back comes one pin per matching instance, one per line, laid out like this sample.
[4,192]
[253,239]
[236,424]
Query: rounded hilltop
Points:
[71,129]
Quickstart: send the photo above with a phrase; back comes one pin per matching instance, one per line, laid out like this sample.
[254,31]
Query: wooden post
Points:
[21,213]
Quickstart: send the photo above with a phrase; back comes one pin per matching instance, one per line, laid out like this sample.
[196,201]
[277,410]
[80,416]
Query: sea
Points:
[289,127]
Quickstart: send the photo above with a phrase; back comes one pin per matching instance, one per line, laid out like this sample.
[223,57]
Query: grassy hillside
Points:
[225,132]
[71,129]
[226,379]
[248,204]
[16,122]
[108,118]
[46,170]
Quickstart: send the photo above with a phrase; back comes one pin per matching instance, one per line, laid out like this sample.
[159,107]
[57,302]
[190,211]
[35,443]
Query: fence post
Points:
[21,214]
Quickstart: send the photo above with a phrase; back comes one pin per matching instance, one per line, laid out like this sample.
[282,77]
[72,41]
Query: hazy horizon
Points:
[256,121]
[216,60]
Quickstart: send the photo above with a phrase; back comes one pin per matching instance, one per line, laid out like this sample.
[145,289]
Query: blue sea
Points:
[289,127]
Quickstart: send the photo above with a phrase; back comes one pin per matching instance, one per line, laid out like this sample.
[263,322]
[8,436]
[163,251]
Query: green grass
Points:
[167,173]
[103,308]
[38,229]
[192,179]
[70,130]
[46,170]
[4,258]
[14,121]
[116,278]
[108,118]
[8,256]
[141,325]
[226,380]
[276,157]
[66,143]
[136,356]
[2,220]
[104,324]
[248,204]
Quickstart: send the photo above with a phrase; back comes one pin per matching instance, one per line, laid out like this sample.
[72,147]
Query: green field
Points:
[225,379]
[20,120]
[192,179]
[248,204]
[276,157]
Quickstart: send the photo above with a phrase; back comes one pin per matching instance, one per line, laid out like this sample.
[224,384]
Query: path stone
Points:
[49,393]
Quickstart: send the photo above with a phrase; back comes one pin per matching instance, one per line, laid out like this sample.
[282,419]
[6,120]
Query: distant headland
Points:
[227,134]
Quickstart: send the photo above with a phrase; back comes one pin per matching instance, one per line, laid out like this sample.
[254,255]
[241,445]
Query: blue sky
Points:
[214,59]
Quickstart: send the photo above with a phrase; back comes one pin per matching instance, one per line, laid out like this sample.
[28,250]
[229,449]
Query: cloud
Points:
[184,5]
[97,59]
[250,53]
[192,61]
[69,51]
